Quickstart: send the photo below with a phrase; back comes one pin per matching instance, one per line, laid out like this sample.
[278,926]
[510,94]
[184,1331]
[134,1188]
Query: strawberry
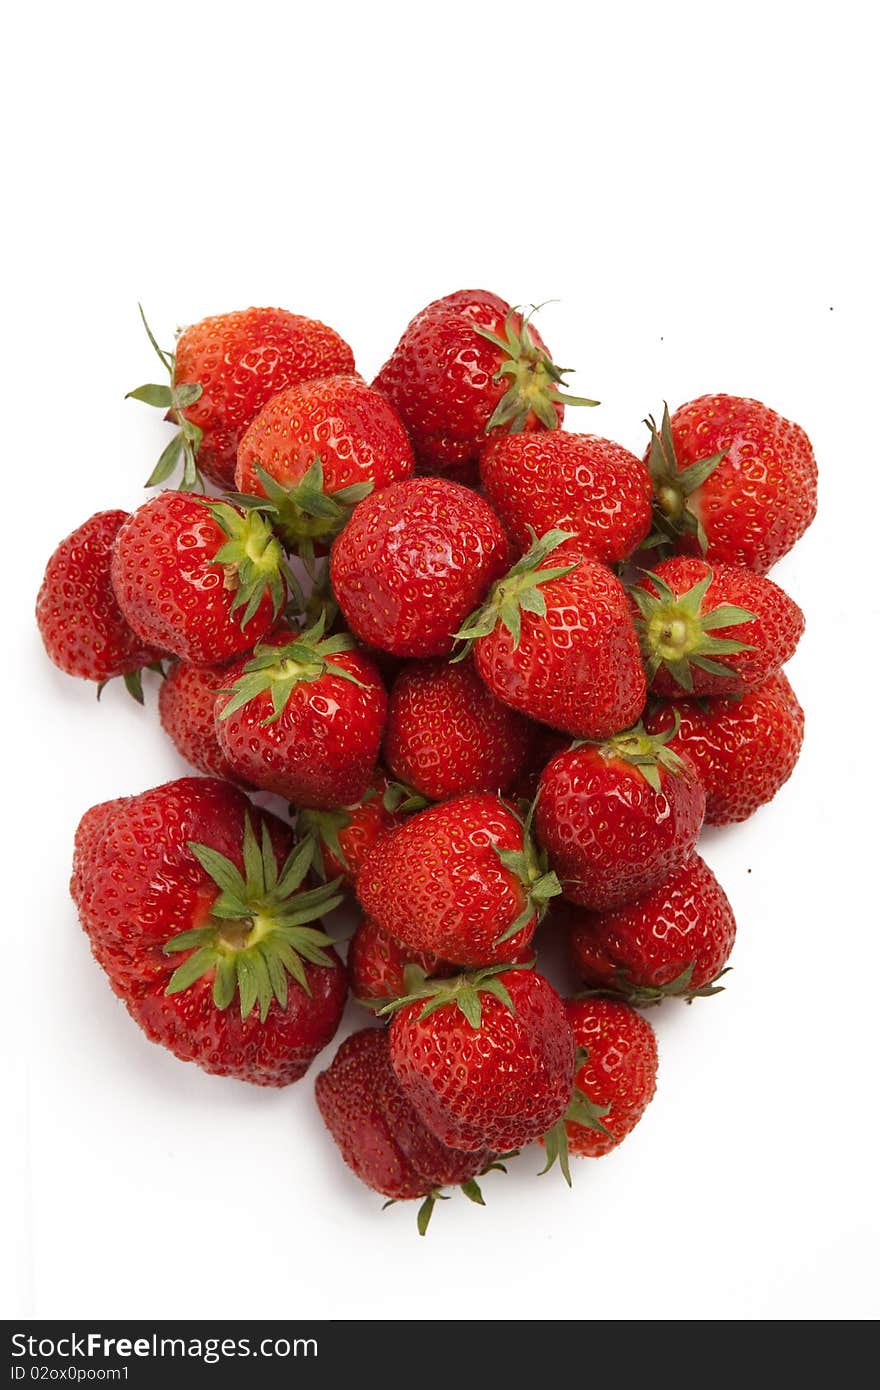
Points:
[314,451]
[617,818]
[190,895]
[413,561]
[744,749]
[674,941]
[467,366]
[222,373]
[543,744]
[685,604]
[201,580]
[187,698]
[555,641]
[379,1134]
[446,734]
[596,490]
[486,1060]
[461,881]
[614,1083]
[342,838]
[303,717]
[379,969]
[733,481]
[80,621]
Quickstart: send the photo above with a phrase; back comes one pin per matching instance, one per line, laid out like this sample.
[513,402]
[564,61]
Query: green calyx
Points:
[470,1188]
[675,632]
[252,559]
[462,992]
[173,399]
[673,517]
[321,829]
[134,680]
[399,797]
[645,996]
[581,1111]
[533,380]
[306,512]
[256,935]
[518,592]
[279,669]
[648,753]
[539,883]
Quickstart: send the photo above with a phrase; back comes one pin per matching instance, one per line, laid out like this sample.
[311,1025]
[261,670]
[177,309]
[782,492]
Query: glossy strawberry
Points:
[617,818]
[712,629]
[593,488]
[81,624]
[198,579]
[674,941]
[466,367]
[486,1060]
[303,717]
[342,838]
[187,698]
[381,1137]
[222,372]
[461,881]
[447,734]
[315,450]
[733,481]
[744,749]
[378,966]
[189,897]
[413,561]
[555,640]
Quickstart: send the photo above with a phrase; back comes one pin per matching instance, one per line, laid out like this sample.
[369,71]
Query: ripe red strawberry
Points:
[469,365]
[314,451]
[413,561]
[733,481]
[303,717]
[446,734]
[744,749]
[461,881]
[596,490]
[201,580]
[223,372]
[380,969]
[674,941]
[615,1079]
[486,1060]
[189,896]
[381,1137]
[617,818]
[685,604]
[555,640]
[80,622]
[187,698]
[342,838]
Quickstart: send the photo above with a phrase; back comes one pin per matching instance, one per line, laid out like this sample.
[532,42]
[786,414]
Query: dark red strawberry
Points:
[303,717]
[486,1060]
[189,897]
[675,941]
[555,640]
[712,629]
[381,1137]
[733,481]
[201,580]
[461,881]
[380,970]
[413,561]
[744,749]
[446,734]
[468,366]
[314,451]
[543,744]
[223,372]
[342,838]
[596,490]
[80,621]
[614,1083]
[617,818]
[187,698]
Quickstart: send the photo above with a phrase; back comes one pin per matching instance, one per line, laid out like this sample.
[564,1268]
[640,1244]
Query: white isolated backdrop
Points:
[694,185]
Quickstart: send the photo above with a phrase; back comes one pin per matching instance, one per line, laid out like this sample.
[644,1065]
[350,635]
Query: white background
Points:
[694,183]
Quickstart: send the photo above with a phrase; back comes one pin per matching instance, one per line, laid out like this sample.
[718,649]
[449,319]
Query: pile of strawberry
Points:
[501,673]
